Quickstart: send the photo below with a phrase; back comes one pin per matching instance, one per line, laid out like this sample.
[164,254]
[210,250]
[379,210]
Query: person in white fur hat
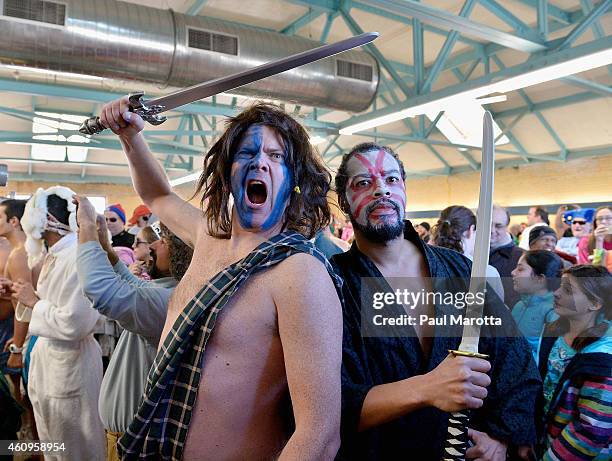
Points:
[66,362]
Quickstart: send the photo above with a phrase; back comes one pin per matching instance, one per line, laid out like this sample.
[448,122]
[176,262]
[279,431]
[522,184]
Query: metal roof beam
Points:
[196,7]
[450,21]
[100,96]
[302,21]
[585,23]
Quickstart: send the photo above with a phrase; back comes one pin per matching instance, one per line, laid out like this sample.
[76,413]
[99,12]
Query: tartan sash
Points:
[159,428]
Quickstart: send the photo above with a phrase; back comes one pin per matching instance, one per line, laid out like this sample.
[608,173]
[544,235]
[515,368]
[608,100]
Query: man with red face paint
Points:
[398,385]
[266,384]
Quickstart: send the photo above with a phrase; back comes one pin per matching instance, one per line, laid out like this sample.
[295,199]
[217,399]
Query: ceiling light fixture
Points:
[185,179]
[503,82]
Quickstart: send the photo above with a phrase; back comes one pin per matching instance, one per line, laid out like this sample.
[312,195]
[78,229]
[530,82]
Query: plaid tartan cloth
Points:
[160,426]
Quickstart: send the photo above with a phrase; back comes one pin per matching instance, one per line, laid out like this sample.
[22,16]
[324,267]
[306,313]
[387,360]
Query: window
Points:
[98,202]
[43,128]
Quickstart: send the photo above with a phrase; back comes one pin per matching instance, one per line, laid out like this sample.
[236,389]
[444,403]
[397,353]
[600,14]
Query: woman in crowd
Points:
[535,278]
[143,254]
[456,229]
[596,248]
[575,359]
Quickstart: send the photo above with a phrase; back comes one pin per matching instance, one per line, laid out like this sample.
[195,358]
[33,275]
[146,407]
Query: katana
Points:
[457,436]
[150,110]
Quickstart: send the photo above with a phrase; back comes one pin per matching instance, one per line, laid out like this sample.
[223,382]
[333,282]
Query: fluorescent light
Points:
[185,179]
[462,124]
[492,99]
[54,73]
[524,80]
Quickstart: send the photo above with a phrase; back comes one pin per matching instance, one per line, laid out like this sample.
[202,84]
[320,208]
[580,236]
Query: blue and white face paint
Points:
[261,180]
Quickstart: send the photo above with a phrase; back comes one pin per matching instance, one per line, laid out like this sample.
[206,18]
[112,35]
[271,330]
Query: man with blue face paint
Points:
[270,296]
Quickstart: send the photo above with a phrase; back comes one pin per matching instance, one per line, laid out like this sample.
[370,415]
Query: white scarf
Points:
[36,220]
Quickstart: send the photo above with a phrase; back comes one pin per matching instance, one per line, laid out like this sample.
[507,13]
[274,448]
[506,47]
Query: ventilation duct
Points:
[122,40]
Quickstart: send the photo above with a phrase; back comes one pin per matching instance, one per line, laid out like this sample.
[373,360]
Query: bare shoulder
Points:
[302,268]
[302,279]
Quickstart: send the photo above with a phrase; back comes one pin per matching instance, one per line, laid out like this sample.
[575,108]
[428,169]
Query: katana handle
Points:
[457,436]
[93,126]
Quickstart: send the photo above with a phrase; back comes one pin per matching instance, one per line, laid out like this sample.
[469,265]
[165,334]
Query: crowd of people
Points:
[239,330]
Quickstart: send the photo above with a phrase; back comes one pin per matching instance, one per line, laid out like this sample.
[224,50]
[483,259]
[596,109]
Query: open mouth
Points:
[256,191]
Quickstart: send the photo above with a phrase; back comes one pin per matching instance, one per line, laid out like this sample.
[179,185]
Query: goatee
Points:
[380,233]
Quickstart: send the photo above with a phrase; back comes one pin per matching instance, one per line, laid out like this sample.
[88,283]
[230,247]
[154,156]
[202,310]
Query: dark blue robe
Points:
[508,411]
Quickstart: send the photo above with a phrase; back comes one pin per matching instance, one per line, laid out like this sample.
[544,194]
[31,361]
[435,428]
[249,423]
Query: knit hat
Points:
[539,232]
[117,208]
[139,211]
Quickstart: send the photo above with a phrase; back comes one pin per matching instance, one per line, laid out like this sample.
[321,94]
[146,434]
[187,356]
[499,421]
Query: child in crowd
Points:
[575,361]
[144,261]
[535,278]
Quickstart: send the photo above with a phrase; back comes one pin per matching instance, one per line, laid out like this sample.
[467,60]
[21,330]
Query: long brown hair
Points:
[591,245]
[307,211]
[596,284]
[454,221]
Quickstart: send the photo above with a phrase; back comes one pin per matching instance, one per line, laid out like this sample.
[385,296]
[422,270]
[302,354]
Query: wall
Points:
[583,180]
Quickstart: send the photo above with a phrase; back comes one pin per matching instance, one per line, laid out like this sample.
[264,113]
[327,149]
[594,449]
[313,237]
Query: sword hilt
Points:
[457,436]
[149,114]
[457,440]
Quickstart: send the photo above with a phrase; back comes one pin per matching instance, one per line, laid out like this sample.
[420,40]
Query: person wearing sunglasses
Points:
[143,253]
[115,220]
[141,218]
[580,222]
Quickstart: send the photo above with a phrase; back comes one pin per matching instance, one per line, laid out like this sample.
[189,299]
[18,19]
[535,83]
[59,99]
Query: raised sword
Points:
[150,109]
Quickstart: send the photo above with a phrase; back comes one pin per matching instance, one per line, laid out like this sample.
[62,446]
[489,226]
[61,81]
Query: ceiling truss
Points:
[401,85]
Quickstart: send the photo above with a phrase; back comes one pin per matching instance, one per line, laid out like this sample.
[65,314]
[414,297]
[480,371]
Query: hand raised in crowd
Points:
[485,448]
[24,293]
[86,213]
[137,268]
[103,233]
[459,383]
[117,116]
[600,235]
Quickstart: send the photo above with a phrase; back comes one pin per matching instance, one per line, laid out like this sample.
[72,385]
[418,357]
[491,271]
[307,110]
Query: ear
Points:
[596,306]
[15,221]
[469,232]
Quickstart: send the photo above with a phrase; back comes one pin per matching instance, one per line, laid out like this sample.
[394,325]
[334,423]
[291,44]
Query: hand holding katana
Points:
[459,383]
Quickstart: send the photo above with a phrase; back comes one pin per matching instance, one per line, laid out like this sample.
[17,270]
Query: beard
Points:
[380,233]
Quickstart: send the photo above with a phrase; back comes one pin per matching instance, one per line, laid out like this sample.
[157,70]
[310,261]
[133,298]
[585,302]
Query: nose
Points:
[259,163]
[381,188]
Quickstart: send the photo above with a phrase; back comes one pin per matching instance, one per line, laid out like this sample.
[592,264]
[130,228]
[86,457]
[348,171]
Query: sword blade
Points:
[219,85]
[471,333]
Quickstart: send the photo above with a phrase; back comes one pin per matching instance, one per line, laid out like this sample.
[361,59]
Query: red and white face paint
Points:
[375,190]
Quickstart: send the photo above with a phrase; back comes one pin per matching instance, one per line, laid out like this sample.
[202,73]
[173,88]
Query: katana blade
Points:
[478,277]
[150,109]
[457,433]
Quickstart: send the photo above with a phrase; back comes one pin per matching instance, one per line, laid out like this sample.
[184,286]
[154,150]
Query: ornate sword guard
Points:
[148,113]
[137,105]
